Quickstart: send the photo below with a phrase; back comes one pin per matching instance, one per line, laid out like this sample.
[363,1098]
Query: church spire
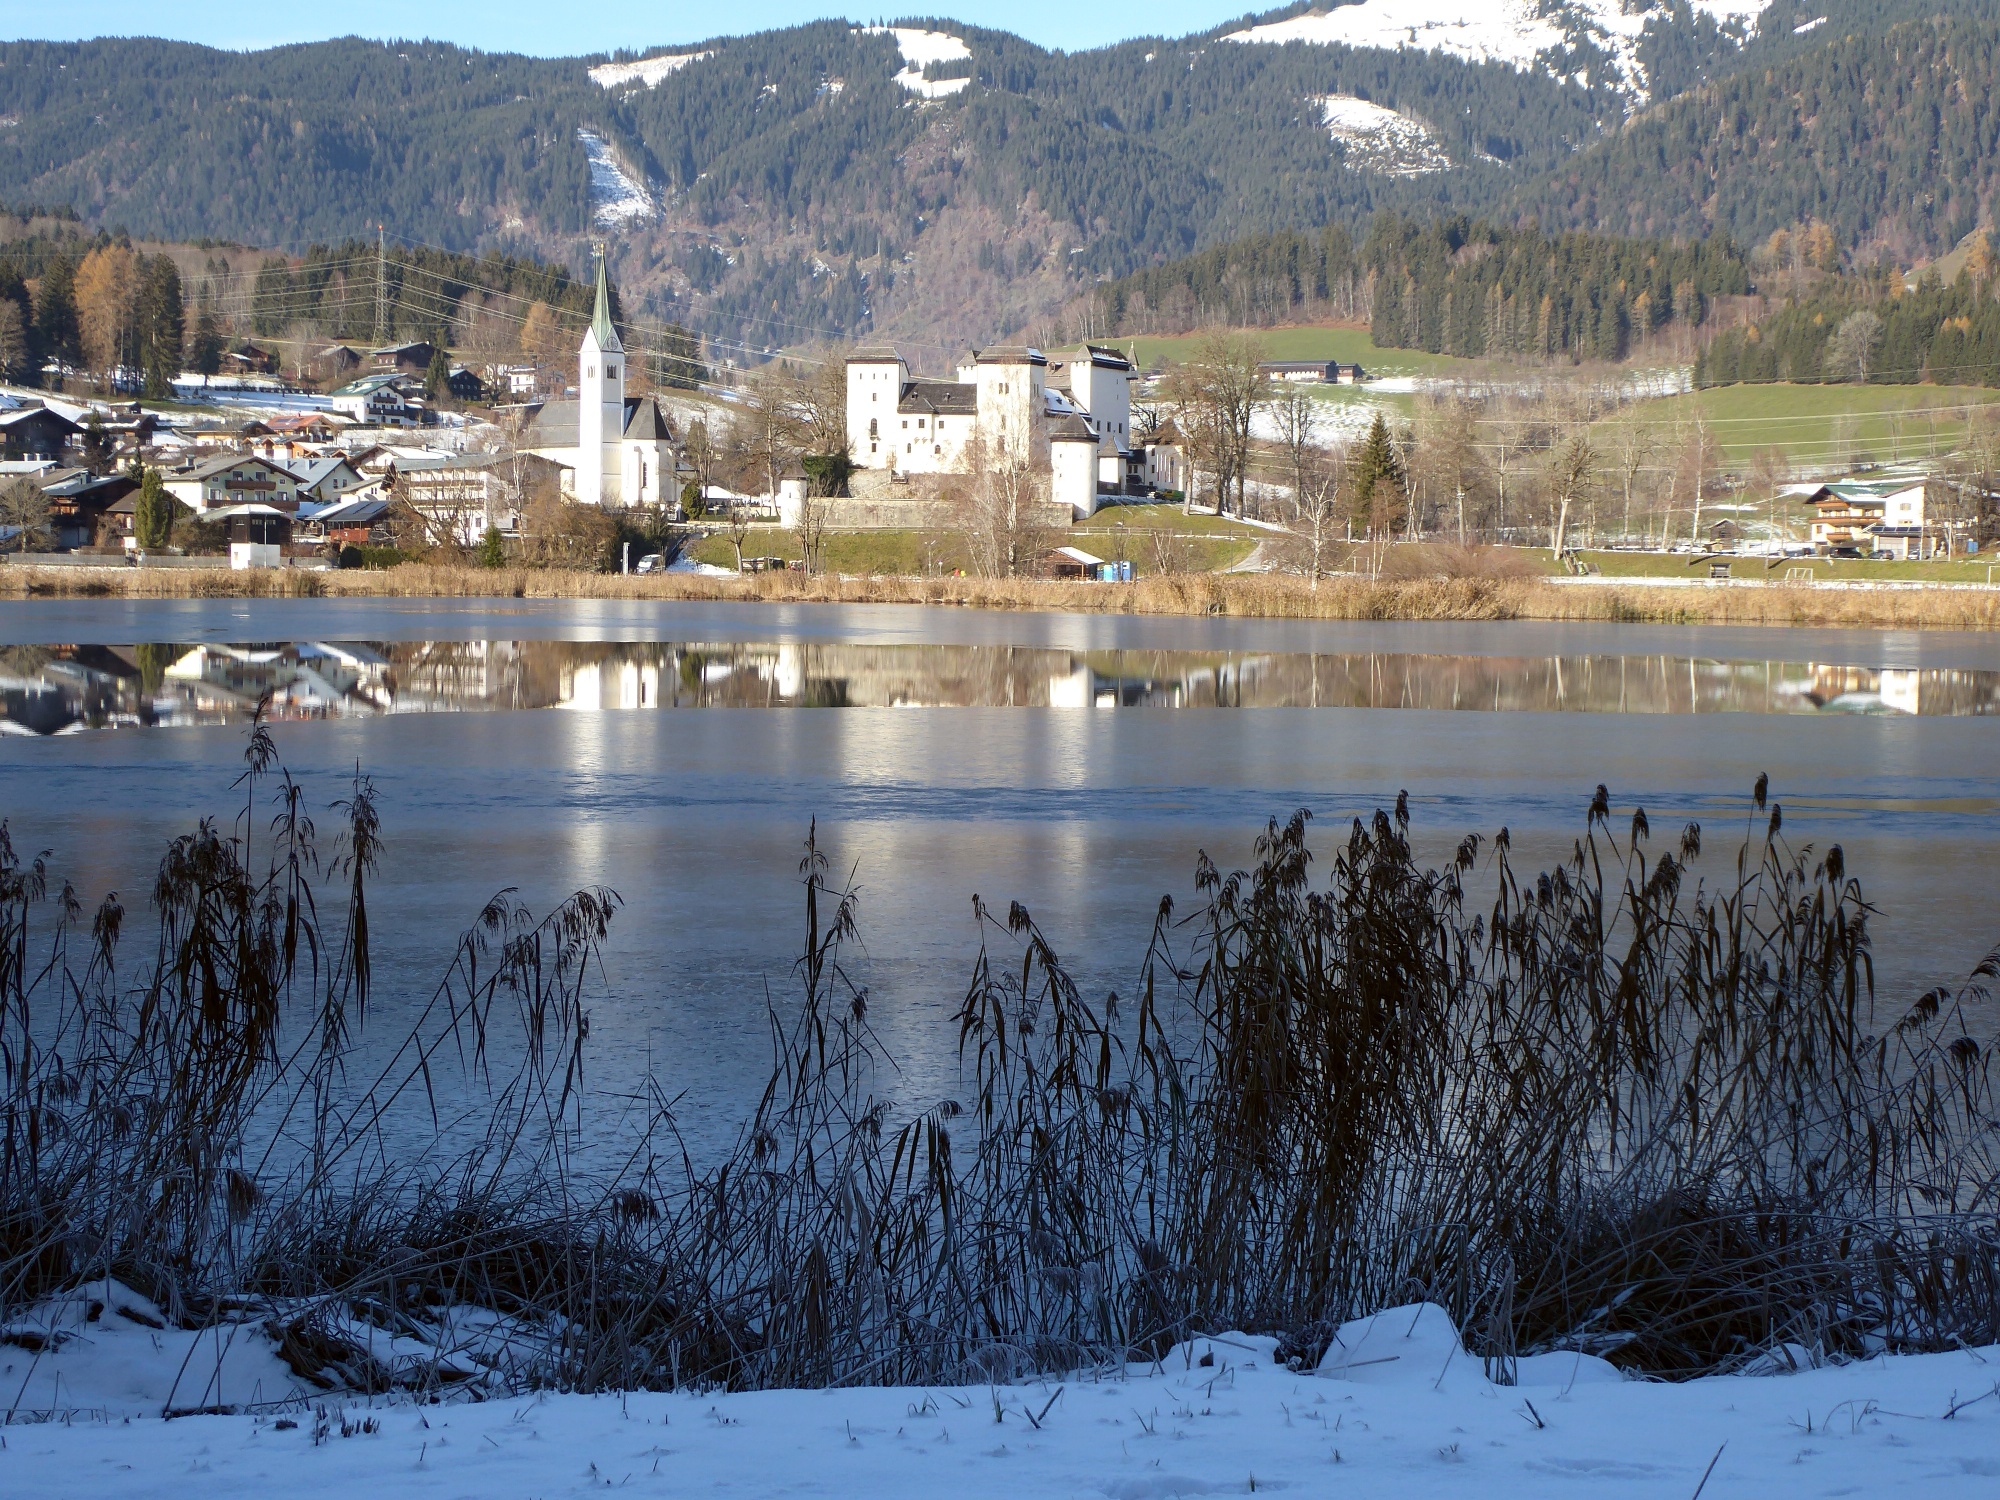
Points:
[600,322]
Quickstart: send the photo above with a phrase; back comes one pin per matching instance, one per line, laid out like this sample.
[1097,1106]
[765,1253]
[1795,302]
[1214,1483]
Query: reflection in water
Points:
[60,689]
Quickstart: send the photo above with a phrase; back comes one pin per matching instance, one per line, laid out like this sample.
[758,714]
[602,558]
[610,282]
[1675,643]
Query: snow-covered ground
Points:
[1397,1408]
[648,70]
[920,49]
[1380,140]
[618,198]
[1516,32]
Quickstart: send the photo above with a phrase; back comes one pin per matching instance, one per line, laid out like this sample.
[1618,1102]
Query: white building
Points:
[1014,401]
[618,450]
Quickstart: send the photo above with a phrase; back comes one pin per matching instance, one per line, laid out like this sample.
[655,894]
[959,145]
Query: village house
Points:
[323,481]
[351,523]
[234,479]
[381,401]
[462,496]
[1883,517]
[333,363]
[407,359]
[79,503]
[1311,372]
[31,431]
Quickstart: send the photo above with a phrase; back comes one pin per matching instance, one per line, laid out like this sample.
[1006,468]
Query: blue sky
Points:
[536,26]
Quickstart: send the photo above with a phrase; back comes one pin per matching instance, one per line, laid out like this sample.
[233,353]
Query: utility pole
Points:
[381,287]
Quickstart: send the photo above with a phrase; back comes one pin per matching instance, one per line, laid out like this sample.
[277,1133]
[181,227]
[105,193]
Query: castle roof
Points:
[941,398]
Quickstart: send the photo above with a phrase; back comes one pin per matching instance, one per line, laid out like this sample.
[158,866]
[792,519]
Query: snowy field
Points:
[1397,1408]
[1517,33]
[648,70]
[1381,140]
[920,49]
[617,197]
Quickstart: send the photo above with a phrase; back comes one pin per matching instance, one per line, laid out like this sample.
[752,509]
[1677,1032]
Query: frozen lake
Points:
[678,753]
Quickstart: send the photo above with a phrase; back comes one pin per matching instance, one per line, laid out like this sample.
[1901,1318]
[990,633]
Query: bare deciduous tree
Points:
[24,512]
[1216,394]
[1003,510]
[1297,416]
[1320,506]
[1572,472]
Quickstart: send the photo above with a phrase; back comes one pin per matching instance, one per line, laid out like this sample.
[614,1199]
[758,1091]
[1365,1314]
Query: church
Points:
[613,449]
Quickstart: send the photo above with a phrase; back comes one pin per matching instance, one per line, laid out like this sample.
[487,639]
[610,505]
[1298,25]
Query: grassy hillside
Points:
[1349,343]
[1821,425]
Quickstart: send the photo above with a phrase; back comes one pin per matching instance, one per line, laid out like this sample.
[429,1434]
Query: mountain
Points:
[928,181]
[1890,140]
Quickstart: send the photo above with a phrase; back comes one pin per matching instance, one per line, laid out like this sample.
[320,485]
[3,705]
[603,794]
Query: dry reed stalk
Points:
[1608,1107]
[1242,596]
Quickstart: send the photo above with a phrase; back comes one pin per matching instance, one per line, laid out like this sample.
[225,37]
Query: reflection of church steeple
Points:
[600,403]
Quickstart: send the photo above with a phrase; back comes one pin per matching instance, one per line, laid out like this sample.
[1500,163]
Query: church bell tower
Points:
[600,404]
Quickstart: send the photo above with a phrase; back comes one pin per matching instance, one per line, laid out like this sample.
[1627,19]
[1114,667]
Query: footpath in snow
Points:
[1397,1408]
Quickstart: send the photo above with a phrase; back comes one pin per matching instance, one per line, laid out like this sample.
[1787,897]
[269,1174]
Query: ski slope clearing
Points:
[1517,33]
[1397,1407]
[648,70]
[1380,140]
[920,49]
[617,197]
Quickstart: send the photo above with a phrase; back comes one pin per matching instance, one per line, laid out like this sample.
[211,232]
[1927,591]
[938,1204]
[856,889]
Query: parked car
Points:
[652,562]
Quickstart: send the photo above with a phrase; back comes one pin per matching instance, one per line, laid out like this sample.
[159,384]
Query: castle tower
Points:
[600,404]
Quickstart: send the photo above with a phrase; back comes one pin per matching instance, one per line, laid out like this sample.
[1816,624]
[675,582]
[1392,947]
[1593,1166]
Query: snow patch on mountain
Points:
[1518,33]
[920,49]
[648,70]
[1375,139]
[618,197]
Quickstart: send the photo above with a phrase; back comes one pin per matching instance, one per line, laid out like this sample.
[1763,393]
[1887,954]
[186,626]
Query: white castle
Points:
[1070,414]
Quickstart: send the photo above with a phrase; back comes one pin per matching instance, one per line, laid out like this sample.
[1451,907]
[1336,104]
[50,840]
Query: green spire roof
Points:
[600,321]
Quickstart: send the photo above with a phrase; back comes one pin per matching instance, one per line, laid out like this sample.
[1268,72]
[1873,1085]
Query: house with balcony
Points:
[1883,517]
[234,479]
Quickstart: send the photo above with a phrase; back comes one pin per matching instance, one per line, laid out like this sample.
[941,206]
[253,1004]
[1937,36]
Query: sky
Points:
[535,26]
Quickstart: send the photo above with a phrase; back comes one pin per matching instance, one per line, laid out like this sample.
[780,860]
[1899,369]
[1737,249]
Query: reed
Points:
[1616,1105]
[1247,596]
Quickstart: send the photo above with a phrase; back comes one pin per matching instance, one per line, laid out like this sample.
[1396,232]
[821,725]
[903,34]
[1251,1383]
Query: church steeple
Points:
[600,322]
[600,404]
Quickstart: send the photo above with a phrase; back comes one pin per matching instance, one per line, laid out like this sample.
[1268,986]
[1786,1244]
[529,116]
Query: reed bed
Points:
[1614,1105]
[1248,596]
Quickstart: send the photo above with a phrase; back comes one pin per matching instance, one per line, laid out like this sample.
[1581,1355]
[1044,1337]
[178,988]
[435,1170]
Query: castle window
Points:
[589,372]
[611,370]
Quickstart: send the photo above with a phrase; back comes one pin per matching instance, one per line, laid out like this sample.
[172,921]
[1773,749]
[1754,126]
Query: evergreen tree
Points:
[161,320]
[493,549]
[1375,490]
[437,379]
[205,353]
[153,513]
[96,444]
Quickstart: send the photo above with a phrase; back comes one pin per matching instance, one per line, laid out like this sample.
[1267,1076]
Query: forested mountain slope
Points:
[1893,141]
[940,180]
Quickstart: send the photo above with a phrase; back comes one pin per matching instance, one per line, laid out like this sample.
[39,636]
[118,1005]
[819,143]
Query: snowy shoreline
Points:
[1397,1408]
